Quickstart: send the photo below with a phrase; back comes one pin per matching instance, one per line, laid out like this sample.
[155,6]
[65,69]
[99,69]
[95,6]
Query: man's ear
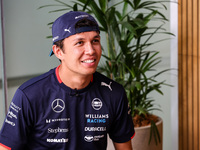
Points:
[57,51]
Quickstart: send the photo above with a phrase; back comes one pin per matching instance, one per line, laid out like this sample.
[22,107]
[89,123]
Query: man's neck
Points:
[72,80]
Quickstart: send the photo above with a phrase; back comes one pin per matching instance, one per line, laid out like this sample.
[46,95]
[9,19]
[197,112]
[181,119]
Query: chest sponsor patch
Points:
[95,129]
[97,104]
[90,138]
[58,105]
[58,130]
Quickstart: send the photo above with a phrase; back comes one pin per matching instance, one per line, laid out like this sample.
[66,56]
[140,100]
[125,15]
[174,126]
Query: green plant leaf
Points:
[103,5]
[99,14]
[155,133]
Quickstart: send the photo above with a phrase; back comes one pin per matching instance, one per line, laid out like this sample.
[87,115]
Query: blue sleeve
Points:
[17,124]
[122,129]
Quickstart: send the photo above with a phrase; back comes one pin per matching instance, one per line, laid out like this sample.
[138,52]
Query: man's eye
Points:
[79,43]
[95,41]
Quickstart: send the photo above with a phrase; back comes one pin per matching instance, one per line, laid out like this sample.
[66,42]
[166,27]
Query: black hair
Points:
[85,23]
[59,44]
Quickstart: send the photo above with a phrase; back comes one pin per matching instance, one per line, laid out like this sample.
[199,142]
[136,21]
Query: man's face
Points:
[81,53]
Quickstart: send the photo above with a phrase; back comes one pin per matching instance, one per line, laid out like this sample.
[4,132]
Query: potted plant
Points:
[128,55]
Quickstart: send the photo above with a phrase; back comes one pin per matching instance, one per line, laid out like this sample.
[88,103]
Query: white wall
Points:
[27,48]
[27,52]
[174,74]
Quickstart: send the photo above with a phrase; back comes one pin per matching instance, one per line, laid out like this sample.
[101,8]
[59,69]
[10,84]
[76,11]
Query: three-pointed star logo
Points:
[58,105]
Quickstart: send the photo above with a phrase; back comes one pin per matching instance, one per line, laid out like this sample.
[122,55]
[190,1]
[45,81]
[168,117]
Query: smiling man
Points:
[71,107]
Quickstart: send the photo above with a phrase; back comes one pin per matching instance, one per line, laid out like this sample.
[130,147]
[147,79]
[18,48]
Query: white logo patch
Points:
[81,16]
[108,85]
[55,38]
[68,30]
[88,138]
[97,103]
[58,105]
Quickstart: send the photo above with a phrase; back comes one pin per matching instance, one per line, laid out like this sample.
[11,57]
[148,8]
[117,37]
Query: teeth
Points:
[88,61]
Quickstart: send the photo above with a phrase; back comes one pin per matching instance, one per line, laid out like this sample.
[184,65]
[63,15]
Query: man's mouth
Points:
[89,61]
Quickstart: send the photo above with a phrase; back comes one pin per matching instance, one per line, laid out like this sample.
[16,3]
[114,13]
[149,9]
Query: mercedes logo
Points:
[58,105]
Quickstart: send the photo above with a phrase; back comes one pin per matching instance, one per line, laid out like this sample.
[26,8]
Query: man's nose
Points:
[89,49]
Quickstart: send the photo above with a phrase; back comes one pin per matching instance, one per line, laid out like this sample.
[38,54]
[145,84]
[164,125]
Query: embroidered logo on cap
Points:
[81,16]
[68,30]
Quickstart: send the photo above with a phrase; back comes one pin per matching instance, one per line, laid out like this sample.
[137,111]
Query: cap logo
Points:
[55,38]
[67,30]
[81,16]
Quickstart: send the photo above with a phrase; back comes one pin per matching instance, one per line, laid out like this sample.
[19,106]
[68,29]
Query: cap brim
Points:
[51,53]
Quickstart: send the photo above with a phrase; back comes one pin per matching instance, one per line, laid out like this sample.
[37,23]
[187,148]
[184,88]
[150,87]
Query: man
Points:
[71,107]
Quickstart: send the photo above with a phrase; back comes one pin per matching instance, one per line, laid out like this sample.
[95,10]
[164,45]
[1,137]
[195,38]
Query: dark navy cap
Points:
[64,26]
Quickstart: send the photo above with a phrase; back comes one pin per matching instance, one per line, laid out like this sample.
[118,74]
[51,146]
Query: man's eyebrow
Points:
[97,36]
[78,39]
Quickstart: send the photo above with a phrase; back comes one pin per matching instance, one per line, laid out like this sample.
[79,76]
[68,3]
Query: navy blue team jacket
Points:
[45,114]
